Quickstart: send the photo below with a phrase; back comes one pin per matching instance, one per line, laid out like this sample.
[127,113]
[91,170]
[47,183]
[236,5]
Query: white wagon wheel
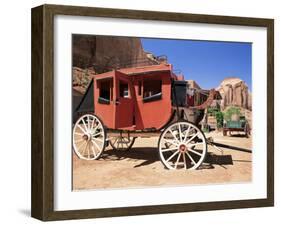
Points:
[89,137]
[182,145]
[121,142]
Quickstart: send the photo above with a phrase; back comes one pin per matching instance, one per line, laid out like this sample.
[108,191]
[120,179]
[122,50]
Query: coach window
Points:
[105,91]
[123,89]
[151,88]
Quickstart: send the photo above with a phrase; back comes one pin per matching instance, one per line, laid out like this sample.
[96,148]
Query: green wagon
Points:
[240,125]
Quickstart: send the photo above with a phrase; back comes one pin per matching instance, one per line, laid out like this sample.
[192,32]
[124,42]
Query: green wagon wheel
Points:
[247,130]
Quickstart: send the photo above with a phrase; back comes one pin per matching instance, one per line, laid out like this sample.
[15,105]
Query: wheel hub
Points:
[86,137]
[182,148]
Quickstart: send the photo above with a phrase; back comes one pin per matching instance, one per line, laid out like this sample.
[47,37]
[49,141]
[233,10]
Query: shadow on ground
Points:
[147,154]
[236,135]
[150,155]
[212,158]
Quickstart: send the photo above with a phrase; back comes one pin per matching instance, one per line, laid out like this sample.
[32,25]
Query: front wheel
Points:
[182,145]
[89,137]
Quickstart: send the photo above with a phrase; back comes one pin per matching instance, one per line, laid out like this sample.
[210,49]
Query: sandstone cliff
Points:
[193,84]
[235,92]
[105,53]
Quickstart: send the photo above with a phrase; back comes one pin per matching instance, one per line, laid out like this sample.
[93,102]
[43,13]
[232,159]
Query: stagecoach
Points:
[124,104]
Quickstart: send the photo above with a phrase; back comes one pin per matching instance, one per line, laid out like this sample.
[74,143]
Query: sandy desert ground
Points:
[141,167]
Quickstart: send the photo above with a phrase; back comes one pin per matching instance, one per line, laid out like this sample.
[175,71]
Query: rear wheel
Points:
[121,142]
[89,137]
[247,130]
[182,145]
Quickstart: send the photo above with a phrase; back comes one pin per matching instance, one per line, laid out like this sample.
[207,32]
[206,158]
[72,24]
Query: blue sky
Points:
[206,62]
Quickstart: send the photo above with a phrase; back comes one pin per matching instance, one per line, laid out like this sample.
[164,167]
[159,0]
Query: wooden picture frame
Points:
[42,203]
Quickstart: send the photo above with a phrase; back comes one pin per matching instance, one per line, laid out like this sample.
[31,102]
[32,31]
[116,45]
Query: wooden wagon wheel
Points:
[89,137]
[122,143]
[182,145]
[247,130]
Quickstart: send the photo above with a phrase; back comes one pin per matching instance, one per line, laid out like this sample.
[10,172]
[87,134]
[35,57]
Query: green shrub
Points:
[205,130]
[219,118]
[231,111]
[212,111]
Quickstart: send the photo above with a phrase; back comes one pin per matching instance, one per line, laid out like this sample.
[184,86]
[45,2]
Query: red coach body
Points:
[134,98]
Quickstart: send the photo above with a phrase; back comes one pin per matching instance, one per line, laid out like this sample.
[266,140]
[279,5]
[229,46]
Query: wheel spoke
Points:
[84,124]
[177,162]
[99,140]
[189,156]
[96,134]
[79,140]
[168,149]
[93,150]
[195,152]
[186,133]
[92,125]
[82,129]
[78,148]
[184,161]
[172,156]
[94,129]
[88,149]
[192,145]
[85,149]
[192,137]
[171,142]
[81,134]
[98,147]
[176,139]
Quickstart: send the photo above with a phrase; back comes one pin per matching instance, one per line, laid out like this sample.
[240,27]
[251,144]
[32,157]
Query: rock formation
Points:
[235,92]
[105,53]
[81,78]
[193,84]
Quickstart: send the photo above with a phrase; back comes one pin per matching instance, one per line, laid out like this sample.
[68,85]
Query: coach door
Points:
[124,102]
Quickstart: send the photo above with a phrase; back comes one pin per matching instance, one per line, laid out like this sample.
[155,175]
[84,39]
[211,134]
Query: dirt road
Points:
[141,167]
